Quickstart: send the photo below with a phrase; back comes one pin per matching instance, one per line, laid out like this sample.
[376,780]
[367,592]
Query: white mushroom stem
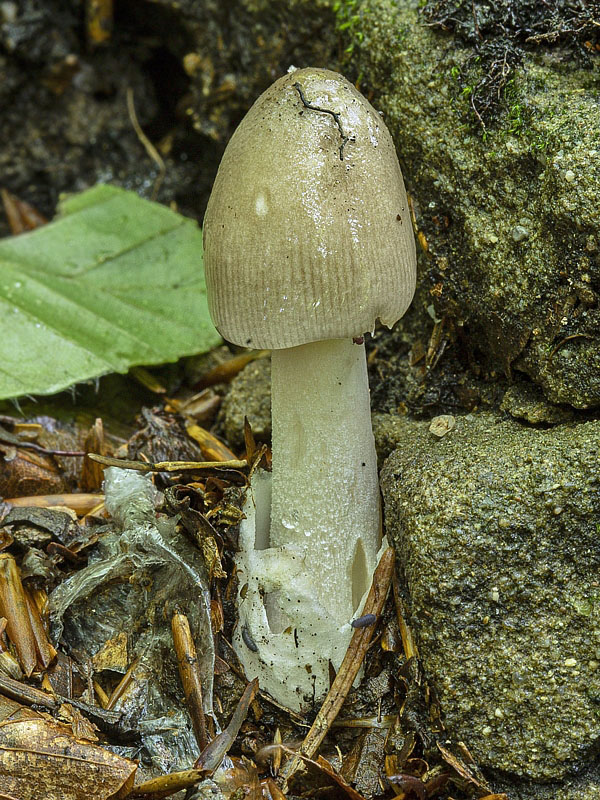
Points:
[325,491]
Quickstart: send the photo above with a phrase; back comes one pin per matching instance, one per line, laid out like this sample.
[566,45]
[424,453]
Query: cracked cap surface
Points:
[307,233]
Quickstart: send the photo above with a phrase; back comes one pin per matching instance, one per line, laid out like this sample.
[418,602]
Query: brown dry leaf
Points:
[212,755]
[99,21]
[12,711]
[391,641]
[217,614]
[370,763]
[112,655]
[30,473]
[241,779]
[249,441]
[201,407]
[92,473]
[46,653]
[6,538]
[189,672]
[395,763]
[461,768]
[9,665]
[212,448]
[21,216]
[13,606]
[270,790]
[225,372]
[63,677]
[80,726]
[81,504]
[323,769]
[212,559]
[41,760]
[408,786]
[148,380]
[166,785]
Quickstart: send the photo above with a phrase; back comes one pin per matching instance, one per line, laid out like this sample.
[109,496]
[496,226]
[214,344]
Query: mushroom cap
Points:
[307,233]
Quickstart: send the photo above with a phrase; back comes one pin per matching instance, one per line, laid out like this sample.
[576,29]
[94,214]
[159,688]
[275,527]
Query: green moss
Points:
[499,35]
[348,19]
[509,212]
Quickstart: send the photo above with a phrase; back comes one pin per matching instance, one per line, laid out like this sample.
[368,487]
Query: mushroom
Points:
[308,241]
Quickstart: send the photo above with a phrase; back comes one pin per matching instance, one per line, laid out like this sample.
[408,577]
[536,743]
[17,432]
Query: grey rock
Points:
[249,396]
[519,233]
[525,401]
[496,529]
[389,431]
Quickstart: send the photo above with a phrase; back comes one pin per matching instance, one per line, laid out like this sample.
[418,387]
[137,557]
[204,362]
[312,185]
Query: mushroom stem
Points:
[325,491]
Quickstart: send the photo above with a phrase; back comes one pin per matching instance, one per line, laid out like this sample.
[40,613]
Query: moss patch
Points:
[498,35]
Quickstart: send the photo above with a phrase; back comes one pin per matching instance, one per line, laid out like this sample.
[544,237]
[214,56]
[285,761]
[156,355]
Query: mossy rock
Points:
[496,527]
[508,218]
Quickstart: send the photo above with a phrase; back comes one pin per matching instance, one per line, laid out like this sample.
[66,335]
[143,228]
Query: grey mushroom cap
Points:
[307,233]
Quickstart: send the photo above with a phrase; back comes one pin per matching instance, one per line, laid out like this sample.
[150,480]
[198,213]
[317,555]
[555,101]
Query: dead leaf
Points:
[212,448]
[92,473]
[80,726]
[13,606]
[41,760]
[112,655]
[212,559]
[165,785]
[81,504]
[225,372]
[30,473]
[323,769]
[211,756]
[461,768]
[21,216]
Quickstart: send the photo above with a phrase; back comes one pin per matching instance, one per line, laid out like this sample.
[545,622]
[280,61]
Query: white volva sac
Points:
[308,241]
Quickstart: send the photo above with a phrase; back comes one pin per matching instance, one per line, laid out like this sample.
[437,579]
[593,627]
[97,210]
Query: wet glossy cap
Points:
[307,233]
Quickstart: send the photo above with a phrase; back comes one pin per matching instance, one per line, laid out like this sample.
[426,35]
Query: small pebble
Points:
[519,233]
[569,176]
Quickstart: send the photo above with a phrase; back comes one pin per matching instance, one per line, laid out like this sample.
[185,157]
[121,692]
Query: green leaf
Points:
[115,281]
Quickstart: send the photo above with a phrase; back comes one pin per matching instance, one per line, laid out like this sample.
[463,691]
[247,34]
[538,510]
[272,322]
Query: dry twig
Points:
[357,649]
